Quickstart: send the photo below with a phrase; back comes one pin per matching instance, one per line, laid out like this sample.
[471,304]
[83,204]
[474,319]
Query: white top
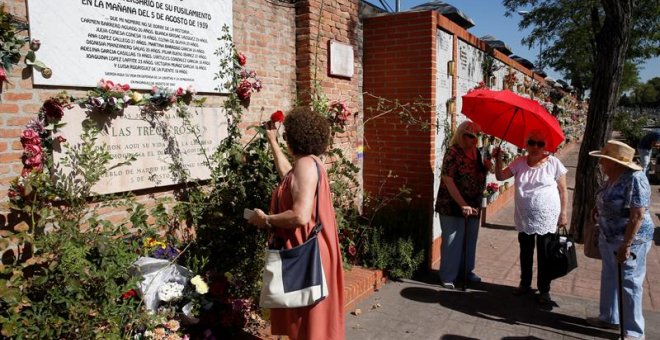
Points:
[537,196]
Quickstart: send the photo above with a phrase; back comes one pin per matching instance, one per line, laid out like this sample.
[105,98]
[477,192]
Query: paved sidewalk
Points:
[423,310]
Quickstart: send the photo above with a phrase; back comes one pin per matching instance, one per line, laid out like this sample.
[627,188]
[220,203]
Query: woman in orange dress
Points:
[292,217]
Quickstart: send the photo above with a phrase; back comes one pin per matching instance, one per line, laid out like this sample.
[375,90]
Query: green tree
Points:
[590,41]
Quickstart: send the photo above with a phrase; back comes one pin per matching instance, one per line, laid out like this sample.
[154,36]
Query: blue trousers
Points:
[451,249]
[634,271]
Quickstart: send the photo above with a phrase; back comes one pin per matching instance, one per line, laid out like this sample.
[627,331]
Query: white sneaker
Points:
[448,285]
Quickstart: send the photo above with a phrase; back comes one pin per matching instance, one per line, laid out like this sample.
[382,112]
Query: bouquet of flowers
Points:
[248,81]
[491,189]
[340,113]
[109,97]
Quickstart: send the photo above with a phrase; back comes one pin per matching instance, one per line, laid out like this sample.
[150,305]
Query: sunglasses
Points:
[538,143]
[470,135]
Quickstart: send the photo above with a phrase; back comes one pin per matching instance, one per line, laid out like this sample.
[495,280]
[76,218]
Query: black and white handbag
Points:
[294,277]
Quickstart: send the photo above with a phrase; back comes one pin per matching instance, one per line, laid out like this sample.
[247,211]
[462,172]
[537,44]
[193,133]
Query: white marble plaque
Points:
[142,43]
[341,59]
[158,143]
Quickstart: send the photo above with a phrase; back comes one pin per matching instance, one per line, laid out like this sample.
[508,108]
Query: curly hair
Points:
[307,132]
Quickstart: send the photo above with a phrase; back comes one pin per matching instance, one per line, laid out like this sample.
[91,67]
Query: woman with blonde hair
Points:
[459,196]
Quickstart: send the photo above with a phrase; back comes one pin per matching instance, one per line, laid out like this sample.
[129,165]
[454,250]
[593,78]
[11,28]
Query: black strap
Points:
[317,228]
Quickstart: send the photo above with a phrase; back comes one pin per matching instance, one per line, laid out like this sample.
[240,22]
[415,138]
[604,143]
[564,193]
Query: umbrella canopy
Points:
[522,61]
[508,116]
[451,12]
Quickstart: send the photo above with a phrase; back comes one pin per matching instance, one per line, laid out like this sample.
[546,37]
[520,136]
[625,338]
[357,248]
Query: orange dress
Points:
[324,320]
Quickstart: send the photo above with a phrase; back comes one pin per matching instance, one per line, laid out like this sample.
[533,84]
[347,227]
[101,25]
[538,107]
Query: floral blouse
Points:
[469,175]
[613,201]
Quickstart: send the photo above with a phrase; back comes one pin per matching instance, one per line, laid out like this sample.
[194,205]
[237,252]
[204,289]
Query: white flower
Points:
[170,291]
[200,286]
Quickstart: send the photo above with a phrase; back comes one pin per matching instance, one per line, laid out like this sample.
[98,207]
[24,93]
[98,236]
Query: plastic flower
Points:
[200,286]
[136,97]
[241,58]
[131,293]
[52,109]
[277,116]
[35,44]
[172,325]
[30,136]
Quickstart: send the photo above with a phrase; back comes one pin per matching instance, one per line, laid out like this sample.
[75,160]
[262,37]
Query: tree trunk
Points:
[611,45]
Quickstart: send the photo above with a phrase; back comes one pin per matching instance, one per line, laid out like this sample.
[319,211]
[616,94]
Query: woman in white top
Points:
[540,198]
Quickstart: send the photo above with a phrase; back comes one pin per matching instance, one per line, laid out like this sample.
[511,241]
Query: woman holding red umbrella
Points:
[540,207]
[461,189]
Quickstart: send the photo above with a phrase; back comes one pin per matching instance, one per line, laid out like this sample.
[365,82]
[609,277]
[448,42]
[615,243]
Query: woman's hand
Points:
[259,219]
[271,130]
[563,220]
[468,210]
[623,253]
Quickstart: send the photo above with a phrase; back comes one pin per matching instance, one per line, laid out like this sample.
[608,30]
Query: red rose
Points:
[60,139]
[244,90]
[53,109]
[241,58]
[352,250]
[277,116]
[32,155]
[131,293]
[12,194]
[180,91]
[30,136]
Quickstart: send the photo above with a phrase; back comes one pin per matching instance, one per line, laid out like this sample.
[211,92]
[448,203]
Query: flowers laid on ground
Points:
[491,188]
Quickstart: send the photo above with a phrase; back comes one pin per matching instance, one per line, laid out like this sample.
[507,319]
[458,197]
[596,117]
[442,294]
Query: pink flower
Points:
[108,85]
[190,89]
[32,155]
[241,58]
[35,44]
[277,116]
[179,91]
[3,75]
[244,90]
[60,139]
[53,109]
[352,250]
[30,137]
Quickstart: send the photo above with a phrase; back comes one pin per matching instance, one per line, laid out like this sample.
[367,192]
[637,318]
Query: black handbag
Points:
[561,257]
[294,277]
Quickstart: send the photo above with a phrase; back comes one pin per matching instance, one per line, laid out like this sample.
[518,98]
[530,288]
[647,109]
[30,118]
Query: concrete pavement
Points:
[421,309]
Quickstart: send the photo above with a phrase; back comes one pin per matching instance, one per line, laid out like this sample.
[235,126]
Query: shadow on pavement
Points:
[495,303]
[498,226]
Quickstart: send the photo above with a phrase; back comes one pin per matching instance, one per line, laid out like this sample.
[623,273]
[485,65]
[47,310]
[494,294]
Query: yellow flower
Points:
[136,97]
[200,286]
[229,276]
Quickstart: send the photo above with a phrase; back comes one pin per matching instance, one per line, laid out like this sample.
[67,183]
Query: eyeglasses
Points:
[538,143]
[470,135]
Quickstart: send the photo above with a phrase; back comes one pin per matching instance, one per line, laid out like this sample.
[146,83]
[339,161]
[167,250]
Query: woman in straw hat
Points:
[622,212]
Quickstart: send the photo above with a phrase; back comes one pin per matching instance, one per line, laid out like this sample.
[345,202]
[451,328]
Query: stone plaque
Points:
[142,43]
[341,59]
[158,143]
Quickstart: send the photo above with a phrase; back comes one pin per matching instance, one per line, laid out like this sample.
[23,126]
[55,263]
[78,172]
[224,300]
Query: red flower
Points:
[131,293]
[32,155]
[277,116]
[244,90]
[352,250]
[53,109]
[241,58]
[60,139]
[30,136]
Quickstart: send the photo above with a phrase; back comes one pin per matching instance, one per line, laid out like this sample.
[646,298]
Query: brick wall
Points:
[269,33]
[399,64]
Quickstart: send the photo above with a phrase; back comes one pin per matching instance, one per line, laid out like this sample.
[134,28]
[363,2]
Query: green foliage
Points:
[11,42]
[631,128]
[396,240]
[71,267]
[567,29]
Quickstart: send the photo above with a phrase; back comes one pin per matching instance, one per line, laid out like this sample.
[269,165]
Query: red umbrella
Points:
[508,116]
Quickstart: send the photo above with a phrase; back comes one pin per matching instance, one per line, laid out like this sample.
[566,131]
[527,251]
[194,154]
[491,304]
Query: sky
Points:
[488,16]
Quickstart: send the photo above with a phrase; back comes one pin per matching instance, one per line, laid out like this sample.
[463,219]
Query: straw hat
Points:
[618,152]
